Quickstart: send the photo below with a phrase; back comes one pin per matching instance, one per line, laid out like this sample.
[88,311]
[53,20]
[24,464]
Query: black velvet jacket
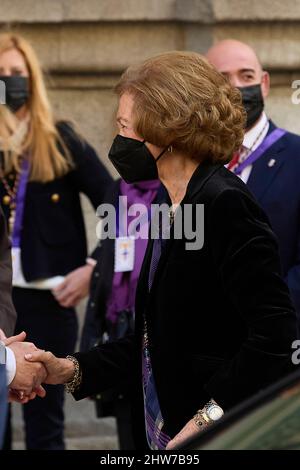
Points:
[220,319]
[53,240]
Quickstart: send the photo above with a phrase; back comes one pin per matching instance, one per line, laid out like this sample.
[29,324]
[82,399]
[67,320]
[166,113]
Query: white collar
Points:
[251,136]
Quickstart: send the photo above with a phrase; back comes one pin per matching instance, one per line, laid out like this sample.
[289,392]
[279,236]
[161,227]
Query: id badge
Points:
[16,263]
[124,254]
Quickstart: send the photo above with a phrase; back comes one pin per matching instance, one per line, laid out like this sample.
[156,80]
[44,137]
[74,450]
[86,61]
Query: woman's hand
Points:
[75,287]
[190,430]
[59,370]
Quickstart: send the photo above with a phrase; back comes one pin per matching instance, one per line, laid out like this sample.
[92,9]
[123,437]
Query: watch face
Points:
[214,412]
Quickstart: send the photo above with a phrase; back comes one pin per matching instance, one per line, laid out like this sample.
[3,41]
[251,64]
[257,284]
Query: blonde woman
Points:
[44,167]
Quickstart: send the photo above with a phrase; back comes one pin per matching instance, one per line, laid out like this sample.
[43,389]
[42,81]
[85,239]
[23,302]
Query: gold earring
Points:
[170,149]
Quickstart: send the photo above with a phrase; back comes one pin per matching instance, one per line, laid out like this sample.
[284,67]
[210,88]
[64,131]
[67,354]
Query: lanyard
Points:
[275,135]
[20,202]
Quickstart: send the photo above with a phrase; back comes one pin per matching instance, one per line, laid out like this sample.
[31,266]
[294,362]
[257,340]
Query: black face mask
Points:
[132,160]
[253,103]
[16,91]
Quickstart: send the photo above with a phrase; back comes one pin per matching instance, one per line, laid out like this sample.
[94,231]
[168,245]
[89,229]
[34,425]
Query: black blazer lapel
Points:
[201,175]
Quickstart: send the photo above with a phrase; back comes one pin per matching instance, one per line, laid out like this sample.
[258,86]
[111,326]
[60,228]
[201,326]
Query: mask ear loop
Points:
[169,149]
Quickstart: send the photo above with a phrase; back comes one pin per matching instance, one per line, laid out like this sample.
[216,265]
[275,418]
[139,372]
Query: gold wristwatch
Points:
[75,382]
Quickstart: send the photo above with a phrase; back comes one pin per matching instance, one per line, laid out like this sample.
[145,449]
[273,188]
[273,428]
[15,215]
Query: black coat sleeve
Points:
[245,253]
[107,366]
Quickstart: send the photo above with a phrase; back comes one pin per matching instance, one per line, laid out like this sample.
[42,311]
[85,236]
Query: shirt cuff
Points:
[11,366]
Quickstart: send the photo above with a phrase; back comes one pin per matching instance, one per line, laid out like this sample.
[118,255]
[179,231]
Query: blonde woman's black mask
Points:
[16,91]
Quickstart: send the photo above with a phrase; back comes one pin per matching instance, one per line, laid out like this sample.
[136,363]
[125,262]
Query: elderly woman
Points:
[213,325]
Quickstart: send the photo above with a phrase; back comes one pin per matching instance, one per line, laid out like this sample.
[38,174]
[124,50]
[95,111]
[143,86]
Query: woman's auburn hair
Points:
[180,99]
[49,156]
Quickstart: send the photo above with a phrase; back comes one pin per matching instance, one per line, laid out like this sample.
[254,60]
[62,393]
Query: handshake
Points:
[32,367]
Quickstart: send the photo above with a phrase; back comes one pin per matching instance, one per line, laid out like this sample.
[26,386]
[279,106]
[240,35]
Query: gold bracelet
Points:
[73,384]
